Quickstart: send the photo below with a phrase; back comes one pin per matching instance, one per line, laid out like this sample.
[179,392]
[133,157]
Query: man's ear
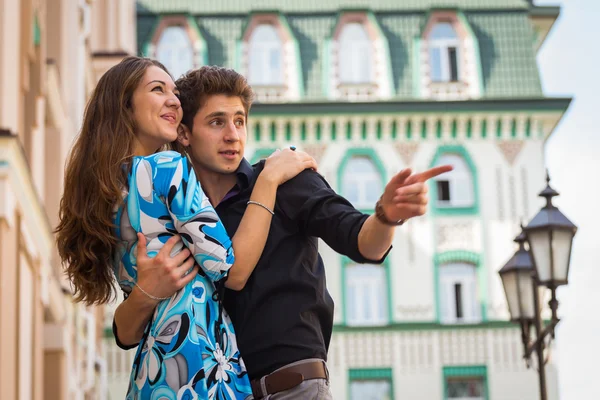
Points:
[183,135]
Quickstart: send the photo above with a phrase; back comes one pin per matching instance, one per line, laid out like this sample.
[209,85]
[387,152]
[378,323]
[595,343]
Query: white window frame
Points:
[460,181]
[355,55]
[371,388]
[264,46]
[366,299]
[360,179]
[180,54]
[443,45]
[465,275]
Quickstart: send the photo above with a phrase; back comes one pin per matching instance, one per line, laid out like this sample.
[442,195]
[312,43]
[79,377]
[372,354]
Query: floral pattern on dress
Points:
[189,350]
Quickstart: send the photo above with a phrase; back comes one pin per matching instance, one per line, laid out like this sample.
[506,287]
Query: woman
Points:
[117,187]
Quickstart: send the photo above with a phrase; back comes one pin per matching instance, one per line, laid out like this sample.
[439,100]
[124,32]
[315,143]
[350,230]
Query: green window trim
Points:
[273,132]
[257,133]
[369,374]
[445,211]
[463,256]
[466,371]
[416,67]
[499,128]
[387,59]
[458,256]
[286,26]
[360,152]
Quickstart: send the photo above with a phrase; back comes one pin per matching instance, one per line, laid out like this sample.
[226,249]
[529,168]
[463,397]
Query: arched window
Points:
[265,65]
[355,59]
[365,295]
[444,53]
[362,183]
[455,188]
[458,293]
[175,50]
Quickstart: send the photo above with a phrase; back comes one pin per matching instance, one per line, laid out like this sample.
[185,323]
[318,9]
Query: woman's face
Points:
[156,111]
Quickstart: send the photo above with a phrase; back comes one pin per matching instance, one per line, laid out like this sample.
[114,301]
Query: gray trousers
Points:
[313,389]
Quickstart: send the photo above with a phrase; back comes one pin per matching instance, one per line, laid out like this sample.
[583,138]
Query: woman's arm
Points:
[163,275]
[251,236]
[160,276]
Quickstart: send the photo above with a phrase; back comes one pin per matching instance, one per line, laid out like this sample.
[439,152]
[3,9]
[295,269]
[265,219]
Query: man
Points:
[283,316]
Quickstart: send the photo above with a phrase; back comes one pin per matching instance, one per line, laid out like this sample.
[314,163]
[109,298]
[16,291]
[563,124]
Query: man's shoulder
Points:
[307,180]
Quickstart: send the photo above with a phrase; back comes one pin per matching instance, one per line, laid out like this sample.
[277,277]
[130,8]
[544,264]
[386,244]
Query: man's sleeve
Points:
[311,203]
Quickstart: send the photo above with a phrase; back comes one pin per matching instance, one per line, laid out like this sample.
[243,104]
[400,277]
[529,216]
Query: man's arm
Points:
[404,197]
[319,211]
[375,238]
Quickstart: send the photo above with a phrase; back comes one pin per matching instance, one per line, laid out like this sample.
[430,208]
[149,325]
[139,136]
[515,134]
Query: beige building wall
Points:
[52,53]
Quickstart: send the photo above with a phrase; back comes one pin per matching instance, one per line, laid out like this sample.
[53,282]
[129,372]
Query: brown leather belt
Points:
[288,378]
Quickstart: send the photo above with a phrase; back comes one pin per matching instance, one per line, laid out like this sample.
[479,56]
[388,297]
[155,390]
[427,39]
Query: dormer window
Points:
[444,53]
[177,44]
[174,49]
[265,57]
[448,59]
[355,55]
[359,67]
[270,59]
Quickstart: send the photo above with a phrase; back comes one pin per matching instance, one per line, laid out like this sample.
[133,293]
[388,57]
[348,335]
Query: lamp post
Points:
[545,264]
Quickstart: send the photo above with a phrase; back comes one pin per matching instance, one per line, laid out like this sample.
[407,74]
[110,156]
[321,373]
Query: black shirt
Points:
[285,313]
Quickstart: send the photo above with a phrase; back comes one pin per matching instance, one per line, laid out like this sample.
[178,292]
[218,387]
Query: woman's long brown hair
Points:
[95,178]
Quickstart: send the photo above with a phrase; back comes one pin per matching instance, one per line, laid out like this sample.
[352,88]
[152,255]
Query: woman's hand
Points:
[283,165]
[163,275]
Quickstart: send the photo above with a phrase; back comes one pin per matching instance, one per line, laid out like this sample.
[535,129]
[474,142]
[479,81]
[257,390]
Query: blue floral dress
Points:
[189,350]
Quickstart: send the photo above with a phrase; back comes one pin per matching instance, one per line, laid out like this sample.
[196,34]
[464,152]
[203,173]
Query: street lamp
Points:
[549,236]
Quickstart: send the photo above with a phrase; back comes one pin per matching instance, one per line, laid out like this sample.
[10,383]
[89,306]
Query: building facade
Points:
[51,55]
[369,88]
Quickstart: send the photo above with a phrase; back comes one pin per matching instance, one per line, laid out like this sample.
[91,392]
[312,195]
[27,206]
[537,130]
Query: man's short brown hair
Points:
[199,84]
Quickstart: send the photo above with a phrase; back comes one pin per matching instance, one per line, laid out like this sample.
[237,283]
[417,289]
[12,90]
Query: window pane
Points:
[366,295]
[465,389]
[174,49]
[443,44]
[453,64]
[352,192]
[458,300]
[361,182]
[371,390]
[373,191]
[354,54]
[460,191]
[458,293]
[435,63]
[265,56]
[443,188]
[443,30]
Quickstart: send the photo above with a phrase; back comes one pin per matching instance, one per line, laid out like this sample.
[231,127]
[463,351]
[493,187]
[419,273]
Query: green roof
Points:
[505,37]
[310,6]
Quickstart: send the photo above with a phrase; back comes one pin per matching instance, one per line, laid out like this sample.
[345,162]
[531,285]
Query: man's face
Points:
[218,137]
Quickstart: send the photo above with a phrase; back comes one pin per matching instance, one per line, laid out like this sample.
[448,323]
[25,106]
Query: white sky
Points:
[569,62]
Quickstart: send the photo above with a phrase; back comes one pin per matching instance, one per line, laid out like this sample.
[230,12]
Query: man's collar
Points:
[244,174]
